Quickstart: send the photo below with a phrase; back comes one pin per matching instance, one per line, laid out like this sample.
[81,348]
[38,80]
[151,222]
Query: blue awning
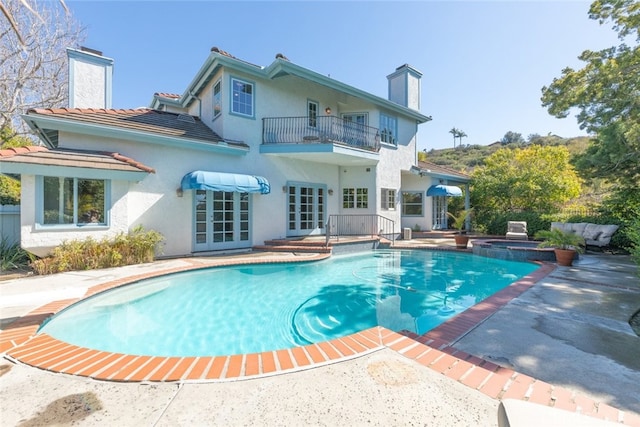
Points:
[229,182]
[444,190]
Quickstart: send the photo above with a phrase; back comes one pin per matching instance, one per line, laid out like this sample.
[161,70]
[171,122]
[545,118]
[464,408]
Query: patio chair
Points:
[517,230]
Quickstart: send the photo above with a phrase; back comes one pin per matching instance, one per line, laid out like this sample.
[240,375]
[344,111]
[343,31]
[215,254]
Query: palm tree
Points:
[461,135]
[455,133]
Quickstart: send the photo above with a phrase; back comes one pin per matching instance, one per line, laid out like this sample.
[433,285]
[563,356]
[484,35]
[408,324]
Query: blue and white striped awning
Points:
[228,182]
[444,190]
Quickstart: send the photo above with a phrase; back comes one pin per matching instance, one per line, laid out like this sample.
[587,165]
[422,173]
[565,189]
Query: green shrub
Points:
[12,256]
[138,246]
[633,233]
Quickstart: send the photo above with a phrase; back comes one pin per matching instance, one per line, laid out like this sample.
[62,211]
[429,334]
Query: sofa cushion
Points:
[592,232]
[607,231]
[578,227]
[563,226]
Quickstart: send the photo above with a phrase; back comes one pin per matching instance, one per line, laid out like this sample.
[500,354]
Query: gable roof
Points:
[280,67]
[143,123]
[41,160]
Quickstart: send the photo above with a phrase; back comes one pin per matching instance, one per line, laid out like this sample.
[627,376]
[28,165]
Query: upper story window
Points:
[72,201]
[312,113]
[217,99]
[242,99]
[388,129]
[388,199]
[355,198]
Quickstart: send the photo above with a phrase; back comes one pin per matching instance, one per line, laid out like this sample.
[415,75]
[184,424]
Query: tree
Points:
[457,133]
[10,186]
[454,132]
[606,94]
[538,178]
[461,135]
[512,138]
[33,63]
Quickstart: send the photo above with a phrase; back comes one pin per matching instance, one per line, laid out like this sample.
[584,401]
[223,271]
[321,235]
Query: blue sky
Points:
[483,63]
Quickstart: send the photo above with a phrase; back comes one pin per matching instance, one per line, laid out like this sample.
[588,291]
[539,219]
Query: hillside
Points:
[466,157]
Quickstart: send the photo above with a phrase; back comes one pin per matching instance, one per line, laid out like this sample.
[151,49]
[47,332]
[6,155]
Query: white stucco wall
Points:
[40,240]
[155,204]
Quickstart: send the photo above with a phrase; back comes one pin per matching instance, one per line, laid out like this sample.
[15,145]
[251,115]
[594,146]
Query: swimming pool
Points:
[249,309]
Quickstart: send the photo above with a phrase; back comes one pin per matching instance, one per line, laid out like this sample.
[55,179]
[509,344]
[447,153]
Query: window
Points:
[312,113]
[73,201]
[217,99]
[388,199]
[242,97]
[388,129]
[412,203]
[355,198]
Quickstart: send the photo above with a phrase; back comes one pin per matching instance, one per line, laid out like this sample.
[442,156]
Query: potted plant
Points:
[565,244]
[458,223]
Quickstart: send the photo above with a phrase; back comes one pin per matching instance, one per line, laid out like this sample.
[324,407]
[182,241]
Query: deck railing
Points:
[360,225]
[321,129]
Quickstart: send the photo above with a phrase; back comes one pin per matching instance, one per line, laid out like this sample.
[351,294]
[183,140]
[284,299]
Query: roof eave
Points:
[282,67]
[27,168]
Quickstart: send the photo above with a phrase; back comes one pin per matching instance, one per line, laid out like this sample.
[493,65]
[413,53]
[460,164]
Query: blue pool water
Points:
[248,309]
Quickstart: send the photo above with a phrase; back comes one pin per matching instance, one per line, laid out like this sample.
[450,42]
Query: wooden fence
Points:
[10,224]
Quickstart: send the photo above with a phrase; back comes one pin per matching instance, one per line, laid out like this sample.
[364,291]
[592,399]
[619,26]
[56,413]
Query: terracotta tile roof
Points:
[442,170]
[10,152]
[145,120]
[36,155]
[167,95]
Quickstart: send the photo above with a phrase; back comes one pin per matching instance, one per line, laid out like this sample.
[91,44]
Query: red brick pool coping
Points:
[435,350]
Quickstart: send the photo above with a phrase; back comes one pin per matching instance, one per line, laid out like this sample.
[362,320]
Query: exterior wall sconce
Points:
[179,192]
[327,110]
[330,191]
[284,188]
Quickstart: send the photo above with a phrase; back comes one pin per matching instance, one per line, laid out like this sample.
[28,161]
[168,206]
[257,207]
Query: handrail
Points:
[320,129]
[359,225]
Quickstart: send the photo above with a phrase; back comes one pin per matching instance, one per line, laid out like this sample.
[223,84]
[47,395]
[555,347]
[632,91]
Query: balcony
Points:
[325,139]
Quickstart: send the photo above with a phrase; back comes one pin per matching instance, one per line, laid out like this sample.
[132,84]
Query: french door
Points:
[222,220]
[306,209]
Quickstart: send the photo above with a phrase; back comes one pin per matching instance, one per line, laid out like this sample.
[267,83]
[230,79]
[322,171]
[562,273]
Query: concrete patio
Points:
[569,330]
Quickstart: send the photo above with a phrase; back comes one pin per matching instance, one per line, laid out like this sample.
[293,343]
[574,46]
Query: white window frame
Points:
[355,198]
[388,129]
[388,199]
[312,113]
[40,220]
[235,104]
[405,204]
[217,98]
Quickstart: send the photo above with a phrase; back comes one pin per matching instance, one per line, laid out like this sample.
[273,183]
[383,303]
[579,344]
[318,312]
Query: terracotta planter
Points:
[461,241]
[564,257]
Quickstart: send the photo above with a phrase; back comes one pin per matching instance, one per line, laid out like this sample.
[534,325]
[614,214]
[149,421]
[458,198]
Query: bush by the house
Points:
[138,246]
[12,256]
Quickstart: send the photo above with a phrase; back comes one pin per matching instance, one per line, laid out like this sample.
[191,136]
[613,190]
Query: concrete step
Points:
[293,248]
[296,242]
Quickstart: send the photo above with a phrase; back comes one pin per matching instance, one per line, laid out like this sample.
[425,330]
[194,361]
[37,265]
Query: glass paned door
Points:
[439,213]
[305,209]
[222,220]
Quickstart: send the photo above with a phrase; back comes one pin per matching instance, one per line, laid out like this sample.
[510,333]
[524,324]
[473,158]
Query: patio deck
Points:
[446,351]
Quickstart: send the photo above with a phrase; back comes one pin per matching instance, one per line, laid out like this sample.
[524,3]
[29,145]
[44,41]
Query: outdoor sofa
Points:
[593,234]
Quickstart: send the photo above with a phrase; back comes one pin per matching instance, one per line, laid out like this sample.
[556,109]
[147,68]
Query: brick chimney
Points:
[90,78]
[404,86]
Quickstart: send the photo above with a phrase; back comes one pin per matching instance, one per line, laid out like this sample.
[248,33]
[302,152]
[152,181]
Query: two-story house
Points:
[245,154]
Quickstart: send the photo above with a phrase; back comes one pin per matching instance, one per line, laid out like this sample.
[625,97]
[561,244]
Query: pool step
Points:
[294,245]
